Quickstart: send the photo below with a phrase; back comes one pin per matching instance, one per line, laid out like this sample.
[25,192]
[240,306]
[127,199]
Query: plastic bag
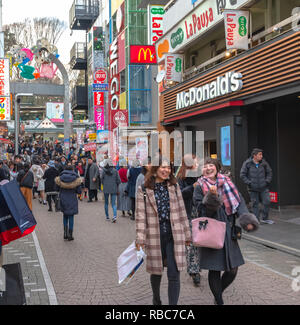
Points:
[130,262]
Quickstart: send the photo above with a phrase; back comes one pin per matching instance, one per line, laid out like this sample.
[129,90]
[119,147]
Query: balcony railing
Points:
[79,98]
[255,40]
[83,14]
[78,59]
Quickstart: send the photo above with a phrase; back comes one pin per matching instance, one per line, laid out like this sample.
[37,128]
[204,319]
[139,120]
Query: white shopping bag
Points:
[129,262]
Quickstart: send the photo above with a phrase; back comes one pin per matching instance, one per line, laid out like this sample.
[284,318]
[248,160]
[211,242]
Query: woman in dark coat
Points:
[187,176]
[132,176]
[69,184]
[50,186]
[216,197]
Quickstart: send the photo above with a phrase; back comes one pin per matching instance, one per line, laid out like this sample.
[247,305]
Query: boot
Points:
[66,232]
[70,238]
[50,207]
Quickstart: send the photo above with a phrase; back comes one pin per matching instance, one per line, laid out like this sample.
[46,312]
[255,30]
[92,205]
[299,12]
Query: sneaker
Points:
[107,219]
[267,221]
[114,220]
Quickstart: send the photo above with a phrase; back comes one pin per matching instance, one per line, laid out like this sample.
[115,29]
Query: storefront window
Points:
[140,103]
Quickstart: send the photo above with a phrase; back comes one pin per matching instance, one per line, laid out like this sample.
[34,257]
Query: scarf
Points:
[227,190]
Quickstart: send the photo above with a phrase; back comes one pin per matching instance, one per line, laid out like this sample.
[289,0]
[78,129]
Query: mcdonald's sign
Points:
[143,54]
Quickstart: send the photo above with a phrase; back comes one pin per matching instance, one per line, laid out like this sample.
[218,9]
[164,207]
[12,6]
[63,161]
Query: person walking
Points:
[132,176]
[25,179]
[124,202]
[38,174]
[69,184]
[110,180]
[50,186]
[215,196]
[162,229]
[91,177]
[256,173]
[187,177]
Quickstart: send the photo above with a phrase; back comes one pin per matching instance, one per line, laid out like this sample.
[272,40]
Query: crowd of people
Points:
[162,203]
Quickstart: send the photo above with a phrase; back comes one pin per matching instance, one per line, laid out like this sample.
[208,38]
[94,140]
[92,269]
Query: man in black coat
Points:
[51,189]
[257,174]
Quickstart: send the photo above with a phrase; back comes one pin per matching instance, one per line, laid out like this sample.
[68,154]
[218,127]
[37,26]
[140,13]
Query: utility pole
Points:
[1,33]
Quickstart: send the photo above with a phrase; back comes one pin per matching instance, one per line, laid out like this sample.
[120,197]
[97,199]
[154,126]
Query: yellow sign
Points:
[146,53]
[93,136]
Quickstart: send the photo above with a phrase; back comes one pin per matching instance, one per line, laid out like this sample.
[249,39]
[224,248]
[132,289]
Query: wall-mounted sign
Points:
[236,29]
[143,54]
[225,146]
[100,88]
[155,23]
[4,77]
[102,137]
[90,147]
[120,118]
[174,67]
[100,76]
[5,109]
[55,112]
[205,16]
[231,82]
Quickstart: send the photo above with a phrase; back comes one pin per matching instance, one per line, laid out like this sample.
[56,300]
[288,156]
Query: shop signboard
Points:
[99,117]
[90,147]
[155,23]
[4,77]
[174,67]
[100,87]
[203,17]
[100,76]
[5,105]
[143,54]
[93,136]
[236,29]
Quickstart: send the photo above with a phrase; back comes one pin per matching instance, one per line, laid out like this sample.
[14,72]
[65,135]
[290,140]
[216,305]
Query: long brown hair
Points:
[151,175]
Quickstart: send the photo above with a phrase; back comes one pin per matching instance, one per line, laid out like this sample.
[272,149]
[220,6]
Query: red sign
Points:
[120,118]
[100,76]
[90,147]
[98,99]
[274,197]
[145,54]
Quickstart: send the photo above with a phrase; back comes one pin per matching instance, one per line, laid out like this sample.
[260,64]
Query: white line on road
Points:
[49,285]
[270,269]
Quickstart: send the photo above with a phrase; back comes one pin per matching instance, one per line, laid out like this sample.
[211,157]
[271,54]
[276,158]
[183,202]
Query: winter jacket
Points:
[49,176]
[38,172]
[133,174]
[25,181]
[110,180]
[148,229]
[187,190]
[69,186]
[257,178]
[93,174]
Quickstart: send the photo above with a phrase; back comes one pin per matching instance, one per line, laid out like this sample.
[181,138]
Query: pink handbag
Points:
[209,233]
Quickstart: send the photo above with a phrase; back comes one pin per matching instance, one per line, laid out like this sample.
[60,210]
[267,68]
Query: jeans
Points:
[260,197]
[167,247]
[69,222]
[113,204]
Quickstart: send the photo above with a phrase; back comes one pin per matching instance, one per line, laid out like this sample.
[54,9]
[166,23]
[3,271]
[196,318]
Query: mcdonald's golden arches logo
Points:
[143,54]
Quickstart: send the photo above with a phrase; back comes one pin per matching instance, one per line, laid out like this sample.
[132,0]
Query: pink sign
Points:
[90,147]
[99,117]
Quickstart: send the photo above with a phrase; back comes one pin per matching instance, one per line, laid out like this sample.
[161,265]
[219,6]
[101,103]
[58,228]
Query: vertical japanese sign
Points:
[174,67]
[99,110]
[4,90]
[155,23]
[236,29]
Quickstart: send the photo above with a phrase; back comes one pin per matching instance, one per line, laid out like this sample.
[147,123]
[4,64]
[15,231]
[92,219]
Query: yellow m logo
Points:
[147,53]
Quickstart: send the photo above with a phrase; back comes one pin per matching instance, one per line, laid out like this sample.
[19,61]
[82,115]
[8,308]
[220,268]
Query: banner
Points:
[155,23]
[174,67]
[236,29]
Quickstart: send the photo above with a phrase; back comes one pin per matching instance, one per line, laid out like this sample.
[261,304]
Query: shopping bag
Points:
[16,219]
[130,262]
[12,293]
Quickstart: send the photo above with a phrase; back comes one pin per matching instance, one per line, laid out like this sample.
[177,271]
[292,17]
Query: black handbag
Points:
[236,231]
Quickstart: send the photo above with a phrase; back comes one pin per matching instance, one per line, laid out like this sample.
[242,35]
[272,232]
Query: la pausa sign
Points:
[231,82]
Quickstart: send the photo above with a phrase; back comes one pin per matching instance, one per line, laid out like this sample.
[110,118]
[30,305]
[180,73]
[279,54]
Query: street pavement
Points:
[84,272]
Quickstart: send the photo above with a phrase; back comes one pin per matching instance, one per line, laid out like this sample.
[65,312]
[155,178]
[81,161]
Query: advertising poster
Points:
[5,109]
[55,112]
[225,146]
[141,148]
[102,137]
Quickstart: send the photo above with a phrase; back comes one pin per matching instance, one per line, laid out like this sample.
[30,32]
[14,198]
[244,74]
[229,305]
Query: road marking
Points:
[29,284]
[270,269]
[19,254]
[38,290]
[25,258]
[48,282]
[35,261]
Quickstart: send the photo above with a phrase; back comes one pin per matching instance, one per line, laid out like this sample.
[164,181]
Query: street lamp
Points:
[17,119]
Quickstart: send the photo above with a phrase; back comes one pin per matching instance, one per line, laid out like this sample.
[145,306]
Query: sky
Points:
[19,10]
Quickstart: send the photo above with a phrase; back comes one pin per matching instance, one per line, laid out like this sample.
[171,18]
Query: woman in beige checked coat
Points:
[162,229]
